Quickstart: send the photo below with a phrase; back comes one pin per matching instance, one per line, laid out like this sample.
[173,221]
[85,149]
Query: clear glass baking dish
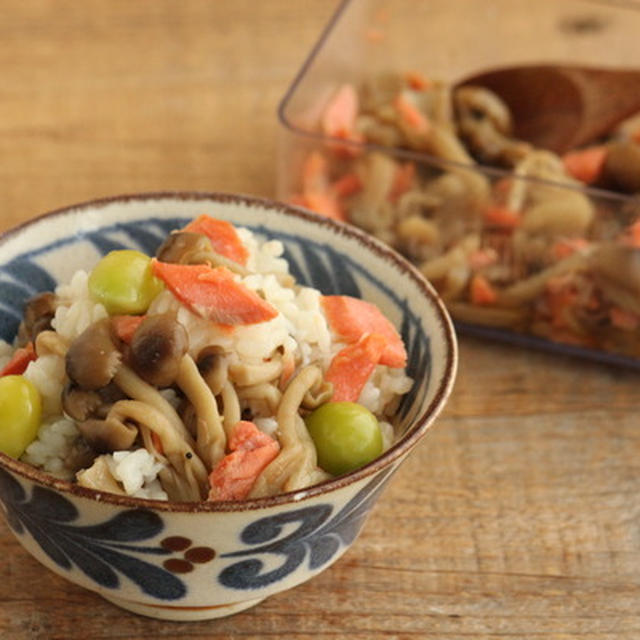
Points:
[538,248]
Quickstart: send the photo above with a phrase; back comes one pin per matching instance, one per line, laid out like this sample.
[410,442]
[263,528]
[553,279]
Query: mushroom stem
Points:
[211,439]
[265,393]
[137,389]
[309,378]
[245,375]
[317,395]
[213,367]
[231,412]
[113,433]
[99,477]
[185,478]
[185,247]
[295,466]
[50,343]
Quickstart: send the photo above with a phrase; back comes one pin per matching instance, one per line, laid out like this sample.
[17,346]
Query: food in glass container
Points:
[201,373]
[525,244]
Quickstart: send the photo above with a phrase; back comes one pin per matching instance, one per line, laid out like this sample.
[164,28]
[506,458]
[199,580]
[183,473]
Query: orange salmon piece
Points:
[566,246]
[481,291]
[339,116]
[353,365]
[586,164]
[417,81]
[315,173]
[352,318]
[347,185]
[402,180]
[502,217]
[213,293]
[316,192]
[19,361]
[125,326]
[325,204]
[251,451]
[223,235]
[411,115]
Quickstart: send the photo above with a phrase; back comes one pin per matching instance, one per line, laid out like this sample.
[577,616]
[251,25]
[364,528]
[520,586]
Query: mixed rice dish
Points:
[202,373]
[527,249]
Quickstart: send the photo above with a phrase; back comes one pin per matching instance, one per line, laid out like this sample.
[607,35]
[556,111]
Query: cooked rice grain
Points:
[52,446]
[137,472]
[77,310]
[47,373]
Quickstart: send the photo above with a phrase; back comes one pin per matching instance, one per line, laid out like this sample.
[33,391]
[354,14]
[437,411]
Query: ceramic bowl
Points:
[190,561]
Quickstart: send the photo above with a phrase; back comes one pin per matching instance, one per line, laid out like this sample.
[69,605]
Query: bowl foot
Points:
[183,614]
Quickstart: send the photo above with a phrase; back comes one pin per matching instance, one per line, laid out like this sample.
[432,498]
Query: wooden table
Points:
[518,517]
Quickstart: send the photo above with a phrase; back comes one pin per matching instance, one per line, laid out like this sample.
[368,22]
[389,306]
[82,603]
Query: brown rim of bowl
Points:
[397,450]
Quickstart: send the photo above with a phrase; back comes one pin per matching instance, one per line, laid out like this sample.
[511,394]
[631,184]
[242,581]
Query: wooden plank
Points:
[517,516]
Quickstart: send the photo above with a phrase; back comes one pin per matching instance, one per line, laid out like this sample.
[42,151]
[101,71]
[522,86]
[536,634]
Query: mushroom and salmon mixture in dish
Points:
[525,248]
[202,373]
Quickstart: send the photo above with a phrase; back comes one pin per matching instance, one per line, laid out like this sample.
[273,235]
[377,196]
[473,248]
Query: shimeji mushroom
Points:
[616,269]
[113,433]
[245,374]
[157,347]
[296,464]
[621,168]
[213,367]
[184,477]
[98,476]
[93,357]
[38,313]
[485,123]
[211,438]
[185,247]
[159,356]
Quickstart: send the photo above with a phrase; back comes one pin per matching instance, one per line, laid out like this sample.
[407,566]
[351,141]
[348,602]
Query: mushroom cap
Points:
[619,264]
[81,404]
[110,434]
[184,247]
[93,357]
[621,168]
[38,313]
[481,103]
[157,347]
[212,366]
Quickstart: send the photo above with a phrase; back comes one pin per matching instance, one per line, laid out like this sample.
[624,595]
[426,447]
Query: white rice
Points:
[388,434]
[267,425]
[300,328]
[137,472]
[48,375]
[383,385]
[52,446]
[77,310]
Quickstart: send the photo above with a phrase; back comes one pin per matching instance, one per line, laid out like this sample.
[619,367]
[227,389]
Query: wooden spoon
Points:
[563,107]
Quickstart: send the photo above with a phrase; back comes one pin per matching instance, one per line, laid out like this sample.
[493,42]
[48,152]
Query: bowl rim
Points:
[398,449]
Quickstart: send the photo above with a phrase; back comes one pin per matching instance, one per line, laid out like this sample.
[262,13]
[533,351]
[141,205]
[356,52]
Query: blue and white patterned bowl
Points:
[192,561]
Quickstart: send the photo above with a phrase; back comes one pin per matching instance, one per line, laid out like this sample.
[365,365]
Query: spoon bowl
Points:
[563,107]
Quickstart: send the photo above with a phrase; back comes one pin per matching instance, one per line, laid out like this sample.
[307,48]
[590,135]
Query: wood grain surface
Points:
[517,517]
